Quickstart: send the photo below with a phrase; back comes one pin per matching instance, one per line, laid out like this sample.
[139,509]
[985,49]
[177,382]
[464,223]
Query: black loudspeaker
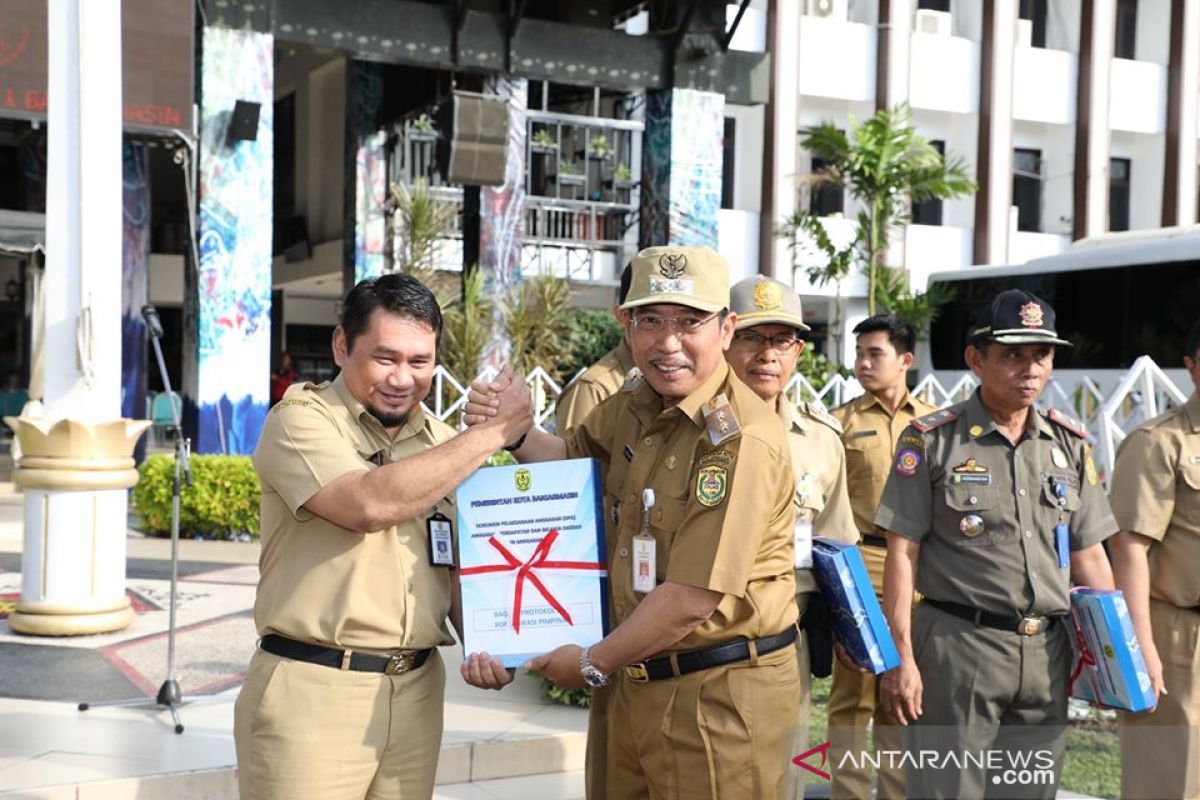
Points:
[473,139]
[243,123]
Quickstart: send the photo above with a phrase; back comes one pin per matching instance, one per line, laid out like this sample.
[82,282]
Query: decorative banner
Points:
[681,174]
[502,211]
[135,258]
[236,182]
[367,156]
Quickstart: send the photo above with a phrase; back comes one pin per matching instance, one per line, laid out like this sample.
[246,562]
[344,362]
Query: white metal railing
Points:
[1143,393]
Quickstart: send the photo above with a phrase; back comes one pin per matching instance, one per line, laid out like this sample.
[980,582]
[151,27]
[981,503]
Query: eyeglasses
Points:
[783,343]
[685,325]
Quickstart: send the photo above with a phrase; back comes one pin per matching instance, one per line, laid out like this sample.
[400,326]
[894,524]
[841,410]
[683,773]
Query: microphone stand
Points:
[169,696]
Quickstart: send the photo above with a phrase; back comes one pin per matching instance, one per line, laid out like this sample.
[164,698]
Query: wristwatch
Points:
[591,676]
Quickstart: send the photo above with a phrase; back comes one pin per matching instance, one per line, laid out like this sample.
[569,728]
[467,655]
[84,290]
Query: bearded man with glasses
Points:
[701,649]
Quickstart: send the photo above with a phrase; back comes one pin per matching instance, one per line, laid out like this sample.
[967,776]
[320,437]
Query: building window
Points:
[934,5]
[1125,45]
[1118,194]
[1035,12]
[728,152]
[824,199]
[1027,189]
[929,212]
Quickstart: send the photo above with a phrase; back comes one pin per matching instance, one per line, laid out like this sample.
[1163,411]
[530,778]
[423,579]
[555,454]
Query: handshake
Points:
[503,402]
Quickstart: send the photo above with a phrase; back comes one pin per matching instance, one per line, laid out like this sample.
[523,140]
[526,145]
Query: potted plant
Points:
[599,147]
[543,141]
[422,129]
[622,176]
[569,173]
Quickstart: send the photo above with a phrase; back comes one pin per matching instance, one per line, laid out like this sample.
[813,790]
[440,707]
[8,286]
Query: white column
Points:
[1000,131]
[785,66]
[76,464]
[1096,177]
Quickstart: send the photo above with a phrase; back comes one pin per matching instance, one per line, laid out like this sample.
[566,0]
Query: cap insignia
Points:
[1031,315]
[672,265]
[767,297]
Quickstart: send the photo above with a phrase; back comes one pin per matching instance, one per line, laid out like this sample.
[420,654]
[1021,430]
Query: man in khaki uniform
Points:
[1156,557]
[766,346]
[601,380]
[598,382]
[703,660]
[353,602]
[993,507]
[871,426]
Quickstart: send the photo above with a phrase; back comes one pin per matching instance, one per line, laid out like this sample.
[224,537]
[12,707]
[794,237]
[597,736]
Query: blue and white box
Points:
[1110,671]
[531,558]
[858,620]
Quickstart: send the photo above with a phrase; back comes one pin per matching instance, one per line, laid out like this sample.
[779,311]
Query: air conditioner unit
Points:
[1024,33]
[829,9]
[934,22]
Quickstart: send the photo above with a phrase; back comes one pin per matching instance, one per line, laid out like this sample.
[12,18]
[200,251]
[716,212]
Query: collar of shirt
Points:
[787,413]
[1193,410]
[867,400]
[976,415]
[414,425]
[647,404]
[624,357]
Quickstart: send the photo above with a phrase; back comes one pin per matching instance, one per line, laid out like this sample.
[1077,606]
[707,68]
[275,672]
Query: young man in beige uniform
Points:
[1156,557]
[706,682]
[992,510]
[871,426]
[766,346]
[343,699]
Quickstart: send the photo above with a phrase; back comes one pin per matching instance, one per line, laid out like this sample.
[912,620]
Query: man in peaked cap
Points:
[991,510]
[701,651]
[765,348]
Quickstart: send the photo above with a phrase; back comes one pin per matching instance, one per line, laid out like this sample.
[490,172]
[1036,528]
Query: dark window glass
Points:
[1035,12]
[1027,189]
[1118,194]
[823,199]
[929,212]
[10,177]
[1126,41]
[285,156]
[727,158]
[934,5]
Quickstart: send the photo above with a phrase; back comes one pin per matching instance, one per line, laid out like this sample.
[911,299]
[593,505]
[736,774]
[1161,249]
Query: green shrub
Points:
[593,333]
[580,698]
[221,502]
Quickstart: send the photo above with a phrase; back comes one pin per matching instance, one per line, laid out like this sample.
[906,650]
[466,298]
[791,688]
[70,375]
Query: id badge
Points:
[1062,541]
[802,536]
[441,541]
[644,555]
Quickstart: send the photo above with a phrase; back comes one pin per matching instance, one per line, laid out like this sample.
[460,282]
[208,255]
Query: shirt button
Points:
[658,513]
[1033,576]
[623,552]
[1021,492]
[631,499]
[973,500]
[648,441]
[1028,534]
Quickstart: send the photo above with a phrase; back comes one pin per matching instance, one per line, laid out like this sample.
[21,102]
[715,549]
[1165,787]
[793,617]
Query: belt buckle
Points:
[1031,625]
[637,672]
[399,663]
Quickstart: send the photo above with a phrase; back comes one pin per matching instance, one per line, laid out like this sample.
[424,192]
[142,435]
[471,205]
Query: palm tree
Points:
[886,166]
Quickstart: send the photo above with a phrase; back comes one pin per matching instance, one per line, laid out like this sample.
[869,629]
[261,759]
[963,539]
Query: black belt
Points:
[696,660]
[874,540]
[1026,625]
[333,657]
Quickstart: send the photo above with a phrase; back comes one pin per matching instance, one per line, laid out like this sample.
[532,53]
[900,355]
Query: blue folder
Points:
[858,620]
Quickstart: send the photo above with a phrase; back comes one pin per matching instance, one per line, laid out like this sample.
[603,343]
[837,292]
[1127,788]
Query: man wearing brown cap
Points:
[699,483]
[883,353]
[992,509]
[1156,500]
[764,352]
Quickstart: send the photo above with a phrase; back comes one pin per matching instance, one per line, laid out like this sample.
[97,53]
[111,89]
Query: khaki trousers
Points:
[724,732]
[1160,751]
[595,757]
[308,731]
[853,704]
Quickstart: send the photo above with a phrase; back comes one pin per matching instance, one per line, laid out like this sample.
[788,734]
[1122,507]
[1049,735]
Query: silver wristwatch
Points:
[591,676]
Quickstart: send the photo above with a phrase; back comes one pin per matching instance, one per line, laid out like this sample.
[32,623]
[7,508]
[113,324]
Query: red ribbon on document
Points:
[540,558]
[1086,659]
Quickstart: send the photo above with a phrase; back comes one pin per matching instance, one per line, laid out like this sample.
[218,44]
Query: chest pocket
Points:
[1072,498]
[971,497]
[665,519]
[978,500]
[1191,475]
[861,453]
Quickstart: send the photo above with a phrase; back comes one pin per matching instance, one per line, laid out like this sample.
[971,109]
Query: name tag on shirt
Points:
[802,537]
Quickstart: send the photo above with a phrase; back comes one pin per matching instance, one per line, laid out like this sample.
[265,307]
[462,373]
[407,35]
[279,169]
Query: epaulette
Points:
[936,419]
[1068,423]
[818,412]
[291,401]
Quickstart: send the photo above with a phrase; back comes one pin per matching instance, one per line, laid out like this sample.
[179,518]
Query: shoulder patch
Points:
[291,401]
[1067,423]
[936,419]
[721,457]
[818,412]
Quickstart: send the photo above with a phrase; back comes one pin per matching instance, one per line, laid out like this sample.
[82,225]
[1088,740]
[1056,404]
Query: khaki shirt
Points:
[739,545]
[597,383]
[870,434]
[819,464]
[966,470]
[1156,493]
[324,584]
